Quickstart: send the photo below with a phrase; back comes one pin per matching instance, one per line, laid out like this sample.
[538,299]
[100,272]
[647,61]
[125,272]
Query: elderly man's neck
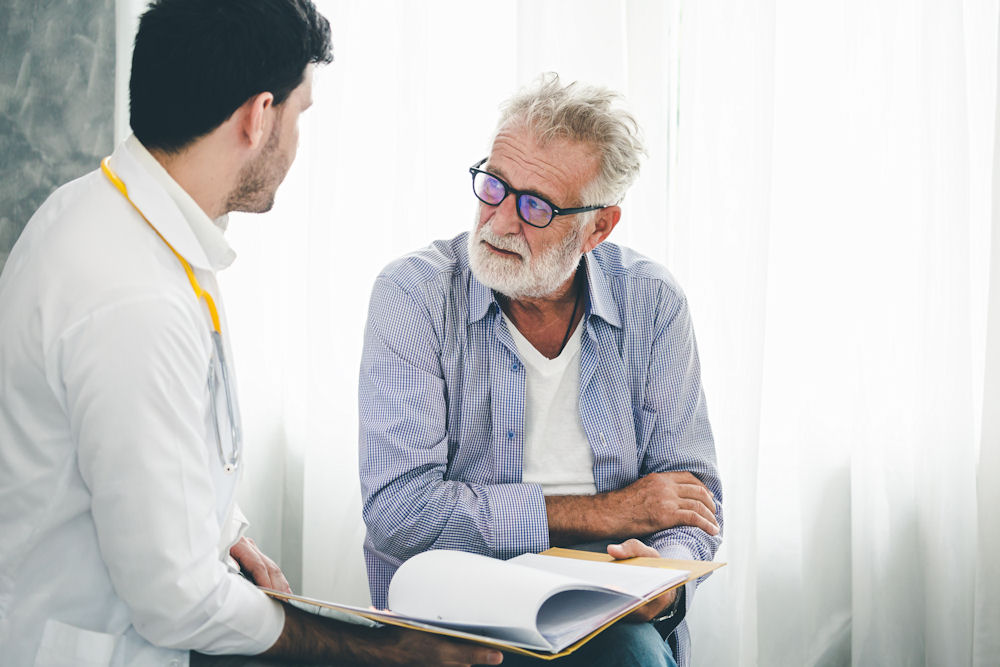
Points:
[552,302]
[545,321]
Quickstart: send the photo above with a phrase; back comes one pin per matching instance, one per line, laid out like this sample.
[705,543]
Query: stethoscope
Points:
[218,370]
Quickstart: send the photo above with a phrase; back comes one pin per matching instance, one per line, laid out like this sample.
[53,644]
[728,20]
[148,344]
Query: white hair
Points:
[581,113]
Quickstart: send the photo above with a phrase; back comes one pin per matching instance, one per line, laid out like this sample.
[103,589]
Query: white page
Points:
[571,615]
[469,590]
[636,581]
[535,601]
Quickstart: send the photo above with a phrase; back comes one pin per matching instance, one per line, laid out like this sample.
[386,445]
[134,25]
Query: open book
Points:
[546,605]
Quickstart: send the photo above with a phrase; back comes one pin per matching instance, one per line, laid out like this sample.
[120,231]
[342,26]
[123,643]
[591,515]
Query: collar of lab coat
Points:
[170,209]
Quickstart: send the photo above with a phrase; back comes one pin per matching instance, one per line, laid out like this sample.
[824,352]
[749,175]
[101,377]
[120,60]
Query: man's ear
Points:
[605,221]
[255,122]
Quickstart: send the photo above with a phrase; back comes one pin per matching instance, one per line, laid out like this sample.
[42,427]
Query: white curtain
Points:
[820,181]
[830,218]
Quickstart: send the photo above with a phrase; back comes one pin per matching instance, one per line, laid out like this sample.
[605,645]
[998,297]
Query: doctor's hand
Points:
[261,570]
[634,549]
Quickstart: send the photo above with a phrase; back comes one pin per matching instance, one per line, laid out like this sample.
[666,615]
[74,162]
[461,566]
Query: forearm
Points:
[653,503]
[313,639]
[576,519]
[307,637]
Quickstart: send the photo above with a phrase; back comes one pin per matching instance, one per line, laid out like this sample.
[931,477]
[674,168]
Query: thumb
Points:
[628,549]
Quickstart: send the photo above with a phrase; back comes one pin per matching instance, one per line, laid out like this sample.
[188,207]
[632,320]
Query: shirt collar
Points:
[173,212]
[602,302]
[480,298]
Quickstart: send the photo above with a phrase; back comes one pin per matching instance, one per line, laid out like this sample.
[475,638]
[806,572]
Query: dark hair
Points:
[197,61]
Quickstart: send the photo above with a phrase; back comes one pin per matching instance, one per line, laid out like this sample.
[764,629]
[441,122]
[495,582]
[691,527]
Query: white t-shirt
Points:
[556,452]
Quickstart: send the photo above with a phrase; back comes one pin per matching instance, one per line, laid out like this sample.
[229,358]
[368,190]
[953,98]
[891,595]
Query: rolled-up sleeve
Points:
[137,398]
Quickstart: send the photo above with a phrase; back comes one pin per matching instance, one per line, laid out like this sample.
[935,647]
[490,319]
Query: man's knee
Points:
[628,644]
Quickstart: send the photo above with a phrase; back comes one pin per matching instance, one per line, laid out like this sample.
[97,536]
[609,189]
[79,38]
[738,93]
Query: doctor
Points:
[120,443]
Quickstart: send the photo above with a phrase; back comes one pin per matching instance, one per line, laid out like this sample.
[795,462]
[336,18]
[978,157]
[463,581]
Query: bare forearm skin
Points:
[313,639]
[576,519]
[655,502]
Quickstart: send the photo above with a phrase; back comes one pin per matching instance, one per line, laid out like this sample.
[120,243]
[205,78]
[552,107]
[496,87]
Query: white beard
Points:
[524,276]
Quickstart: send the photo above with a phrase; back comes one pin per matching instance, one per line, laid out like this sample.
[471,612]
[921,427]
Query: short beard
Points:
[525,277]
[259,179]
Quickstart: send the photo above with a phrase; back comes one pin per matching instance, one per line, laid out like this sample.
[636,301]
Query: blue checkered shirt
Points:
[441,402]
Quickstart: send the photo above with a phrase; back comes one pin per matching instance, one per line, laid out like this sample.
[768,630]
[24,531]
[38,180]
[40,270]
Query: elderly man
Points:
[529,385]
[120,448]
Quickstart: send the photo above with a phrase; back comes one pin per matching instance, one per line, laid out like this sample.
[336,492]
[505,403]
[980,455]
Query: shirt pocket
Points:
[65,645]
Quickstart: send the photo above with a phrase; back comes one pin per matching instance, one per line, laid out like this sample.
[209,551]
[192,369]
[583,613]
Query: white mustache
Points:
[509,242]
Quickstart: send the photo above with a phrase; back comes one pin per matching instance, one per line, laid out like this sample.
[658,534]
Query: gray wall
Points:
[57,80]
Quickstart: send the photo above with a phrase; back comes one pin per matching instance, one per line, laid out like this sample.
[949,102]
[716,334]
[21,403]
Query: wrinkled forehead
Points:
[557,168]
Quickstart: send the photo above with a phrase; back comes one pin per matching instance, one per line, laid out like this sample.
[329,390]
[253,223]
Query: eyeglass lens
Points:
[492,190]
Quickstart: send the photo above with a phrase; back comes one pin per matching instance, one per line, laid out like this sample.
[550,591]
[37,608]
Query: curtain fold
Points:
[857,493]
[986,609]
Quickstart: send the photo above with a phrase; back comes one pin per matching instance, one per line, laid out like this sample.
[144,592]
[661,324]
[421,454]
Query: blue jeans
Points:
[621,645]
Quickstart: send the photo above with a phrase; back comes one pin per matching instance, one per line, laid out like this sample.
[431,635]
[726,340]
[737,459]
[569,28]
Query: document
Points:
[545,605]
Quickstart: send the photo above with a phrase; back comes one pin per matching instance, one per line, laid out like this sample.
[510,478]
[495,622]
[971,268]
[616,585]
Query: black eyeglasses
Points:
[534,210]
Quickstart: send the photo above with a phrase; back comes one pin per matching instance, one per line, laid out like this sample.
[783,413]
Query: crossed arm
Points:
[420,492]
[656,502]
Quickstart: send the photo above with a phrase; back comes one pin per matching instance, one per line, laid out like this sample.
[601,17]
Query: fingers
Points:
[697,514]
[262,570]
[632,548]
[698,492]
[653,608]
[278,581]
[690,486]
[695,503]
[251,562]
[697,520]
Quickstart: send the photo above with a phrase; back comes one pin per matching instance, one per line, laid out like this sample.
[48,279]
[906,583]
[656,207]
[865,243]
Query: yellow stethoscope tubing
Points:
[228,464]
[199,292]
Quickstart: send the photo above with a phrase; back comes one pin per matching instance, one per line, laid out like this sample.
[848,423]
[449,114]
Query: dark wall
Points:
[57,80]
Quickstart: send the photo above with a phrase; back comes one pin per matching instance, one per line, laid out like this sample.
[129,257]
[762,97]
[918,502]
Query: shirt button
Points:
[513,367]
[510,435]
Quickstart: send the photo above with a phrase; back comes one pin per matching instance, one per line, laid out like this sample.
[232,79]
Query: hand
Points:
[410,647]
[664,500]
[262,570]
[635,549]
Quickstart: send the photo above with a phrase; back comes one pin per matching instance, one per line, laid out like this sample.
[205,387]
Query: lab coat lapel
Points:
[158,208]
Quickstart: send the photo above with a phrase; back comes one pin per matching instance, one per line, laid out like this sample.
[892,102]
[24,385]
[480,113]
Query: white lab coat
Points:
[115,517]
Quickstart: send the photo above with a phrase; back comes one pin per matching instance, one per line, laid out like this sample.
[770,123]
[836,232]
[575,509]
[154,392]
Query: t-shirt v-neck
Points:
[556,452]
